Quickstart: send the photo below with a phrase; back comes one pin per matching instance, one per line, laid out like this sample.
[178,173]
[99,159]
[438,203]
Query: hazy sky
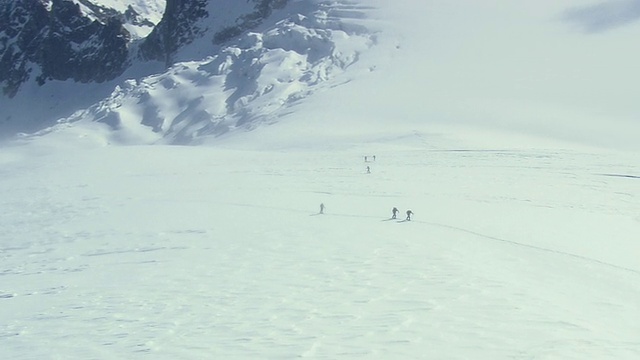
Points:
[565,68]
[604,16]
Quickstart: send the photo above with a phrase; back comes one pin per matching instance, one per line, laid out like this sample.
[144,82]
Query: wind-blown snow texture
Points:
[219,252]
[521,246]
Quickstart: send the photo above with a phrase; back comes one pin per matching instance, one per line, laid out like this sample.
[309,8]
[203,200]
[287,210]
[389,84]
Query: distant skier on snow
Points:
[395,212]
[368,170]
[321,208]
[409,213]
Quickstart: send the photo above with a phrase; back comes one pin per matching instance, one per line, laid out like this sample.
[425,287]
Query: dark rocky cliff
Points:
[179,25]
[45,40]
[55,41]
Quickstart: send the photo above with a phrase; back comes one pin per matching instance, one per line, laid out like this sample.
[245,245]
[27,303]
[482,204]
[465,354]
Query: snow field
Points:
[181,252]
[516,250]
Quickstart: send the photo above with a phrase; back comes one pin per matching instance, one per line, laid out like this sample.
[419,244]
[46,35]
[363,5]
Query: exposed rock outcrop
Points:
[55,41]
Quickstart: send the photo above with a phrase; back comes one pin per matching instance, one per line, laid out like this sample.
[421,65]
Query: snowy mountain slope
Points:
[246,76]
[249,81]
[519,67]
[151,10]
[141,15]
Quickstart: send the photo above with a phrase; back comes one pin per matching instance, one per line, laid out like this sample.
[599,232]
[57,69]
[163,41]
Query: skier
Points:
[409,213]
[368,170]
[394,211]
[365,159]
[374,158]
[321,208]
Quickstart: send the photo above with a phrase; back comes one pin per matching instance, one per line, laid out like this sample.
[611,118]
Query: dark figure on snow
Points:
[374,158]
[368,170]
[321,208]
[395,212]
[409,213]
[365,159]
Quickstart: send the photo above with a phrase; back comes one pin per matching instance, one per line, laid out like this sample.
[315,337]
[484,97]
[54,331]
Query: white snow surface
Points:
[151,10]
[168,252]
[523,245]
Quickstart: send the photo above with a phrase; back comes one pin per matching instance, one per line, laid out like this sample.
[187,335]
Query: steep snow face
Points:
[140,15]
[251,80]
[148,9]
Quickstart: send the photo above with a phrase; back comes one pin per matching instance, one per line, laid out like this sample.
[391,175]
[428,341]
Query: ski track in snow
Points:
[173,253]
[454,228]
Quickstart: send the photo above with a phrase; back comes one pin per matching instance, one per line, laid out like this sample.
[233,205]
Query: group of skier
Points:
[366,159]
[395,212]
